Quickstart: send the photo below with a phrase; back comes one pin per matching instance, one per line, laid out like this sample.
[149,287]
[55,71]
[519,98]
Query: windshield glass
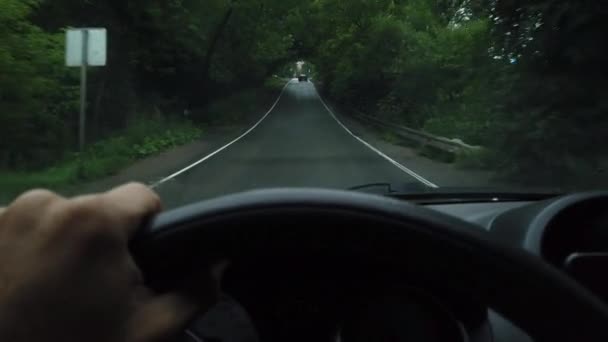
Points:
[205,98]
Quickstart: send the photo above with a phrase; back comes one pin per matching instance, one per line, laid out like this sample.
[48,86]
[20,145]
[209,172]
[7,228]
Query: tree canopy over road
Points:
[525,79]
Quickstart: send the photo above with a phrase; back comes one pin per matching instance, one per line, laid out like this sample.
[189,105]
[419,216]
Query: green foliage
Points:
[241,106]
[436,154]
[163,57]
[104,158]
[140,140]
[34,104]
[481,159]
[409,64]
[558,109]
[275,83]
[512,75]
[13,183]
[390,137]
[520,78]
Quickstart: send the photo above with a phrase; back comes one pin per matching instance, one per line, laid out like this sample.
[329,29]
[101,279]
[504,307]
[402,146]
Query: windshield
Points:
[205,98]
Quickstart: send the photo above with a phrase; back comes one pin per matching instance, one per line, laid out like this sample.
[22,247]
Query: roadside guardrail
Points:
[452,146]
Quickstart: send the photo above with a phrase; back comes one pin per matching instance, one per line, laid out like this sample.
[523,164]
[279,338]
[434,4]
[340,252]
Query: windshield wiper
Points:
[425,195]
[472,197]
[387,186]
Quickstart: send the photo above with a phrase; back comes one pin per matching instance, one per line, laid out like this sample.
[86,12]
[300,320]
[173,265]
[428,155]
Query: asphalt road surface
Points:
[299,143]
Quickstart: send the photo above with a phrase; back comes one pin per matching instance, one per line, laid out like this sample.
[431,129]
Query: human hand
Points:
[66,273]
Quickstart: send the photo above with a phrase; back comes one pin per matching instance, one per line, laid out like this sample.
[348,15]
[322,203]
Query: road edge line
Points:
[212,154]
[380,153]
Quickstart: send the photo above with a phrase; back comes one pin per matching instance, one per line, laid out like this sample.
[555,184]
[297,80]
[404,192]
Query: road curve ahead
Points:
[298,144]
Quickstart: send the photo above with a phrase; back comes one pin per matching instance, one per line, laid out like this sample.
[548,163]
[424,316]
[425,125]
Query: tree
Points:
[558,111]
[33,102]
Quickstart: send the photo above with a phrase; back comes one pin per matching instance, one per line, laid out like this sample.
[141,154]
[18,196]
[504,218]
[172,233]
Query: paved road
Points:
[299,144]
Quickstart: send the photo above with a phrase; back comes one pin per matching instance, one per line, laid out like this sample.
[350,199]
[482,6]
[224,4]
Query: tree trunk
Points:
[214,40]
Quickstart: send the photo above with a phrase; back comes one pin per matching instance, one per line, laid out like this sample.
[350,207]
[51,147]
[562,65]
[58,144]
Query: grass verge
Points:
[436,154]
[104,158]
[481,159]
[390,137]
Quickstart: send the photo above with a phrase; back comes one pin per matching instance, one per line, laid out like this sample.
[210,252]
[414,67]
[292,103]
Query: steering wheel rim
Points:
[537,297]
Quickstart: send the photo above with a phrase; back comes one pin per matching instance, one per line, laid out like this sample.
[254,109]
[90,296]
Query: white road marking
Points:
[392,161]
[193,336]
[157,184]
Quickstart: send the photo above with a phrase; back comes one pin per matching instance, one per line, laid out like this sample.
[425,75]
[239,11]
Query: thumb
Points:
[161,318]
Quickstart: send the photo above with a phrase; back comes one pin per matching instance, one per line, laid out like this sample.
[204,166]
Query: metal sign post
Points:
[85,47]
[83,90]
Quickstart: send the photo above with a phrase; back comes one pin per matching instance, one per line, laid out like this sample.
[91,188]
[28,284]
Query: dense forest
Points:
[524,79]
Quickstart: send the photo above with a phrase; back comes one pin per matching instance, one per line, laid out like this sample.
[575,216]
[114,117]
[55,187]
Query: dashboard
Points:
[569,232]
[307,299]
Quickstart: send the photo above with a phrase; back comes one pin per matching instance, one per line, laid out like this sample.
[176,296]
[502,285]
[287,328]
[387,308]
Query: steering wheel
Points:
[424,244]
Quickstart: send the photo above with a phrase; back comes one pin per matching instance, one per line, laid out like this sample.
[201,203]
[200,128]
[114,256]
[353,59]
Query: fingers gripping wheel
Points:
[426,244]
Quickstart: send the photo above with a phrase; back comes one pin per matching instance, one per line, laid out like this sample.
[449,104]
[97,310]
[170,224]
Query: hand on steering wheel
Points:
[66,273]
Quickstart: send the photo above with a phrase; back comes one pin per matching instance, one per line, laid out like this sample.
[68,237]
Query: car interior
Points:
[325,265]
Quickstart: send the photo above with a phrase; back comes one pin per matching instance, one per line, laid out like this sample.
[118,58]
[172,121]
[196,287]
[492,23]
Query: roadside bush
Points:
[482,159]
[240,107]
[275,83]
[104,158]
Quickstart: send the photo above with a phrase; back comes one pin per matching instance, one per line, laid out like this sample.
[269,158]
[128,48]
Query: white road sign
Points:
[95,43]
[85,47]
